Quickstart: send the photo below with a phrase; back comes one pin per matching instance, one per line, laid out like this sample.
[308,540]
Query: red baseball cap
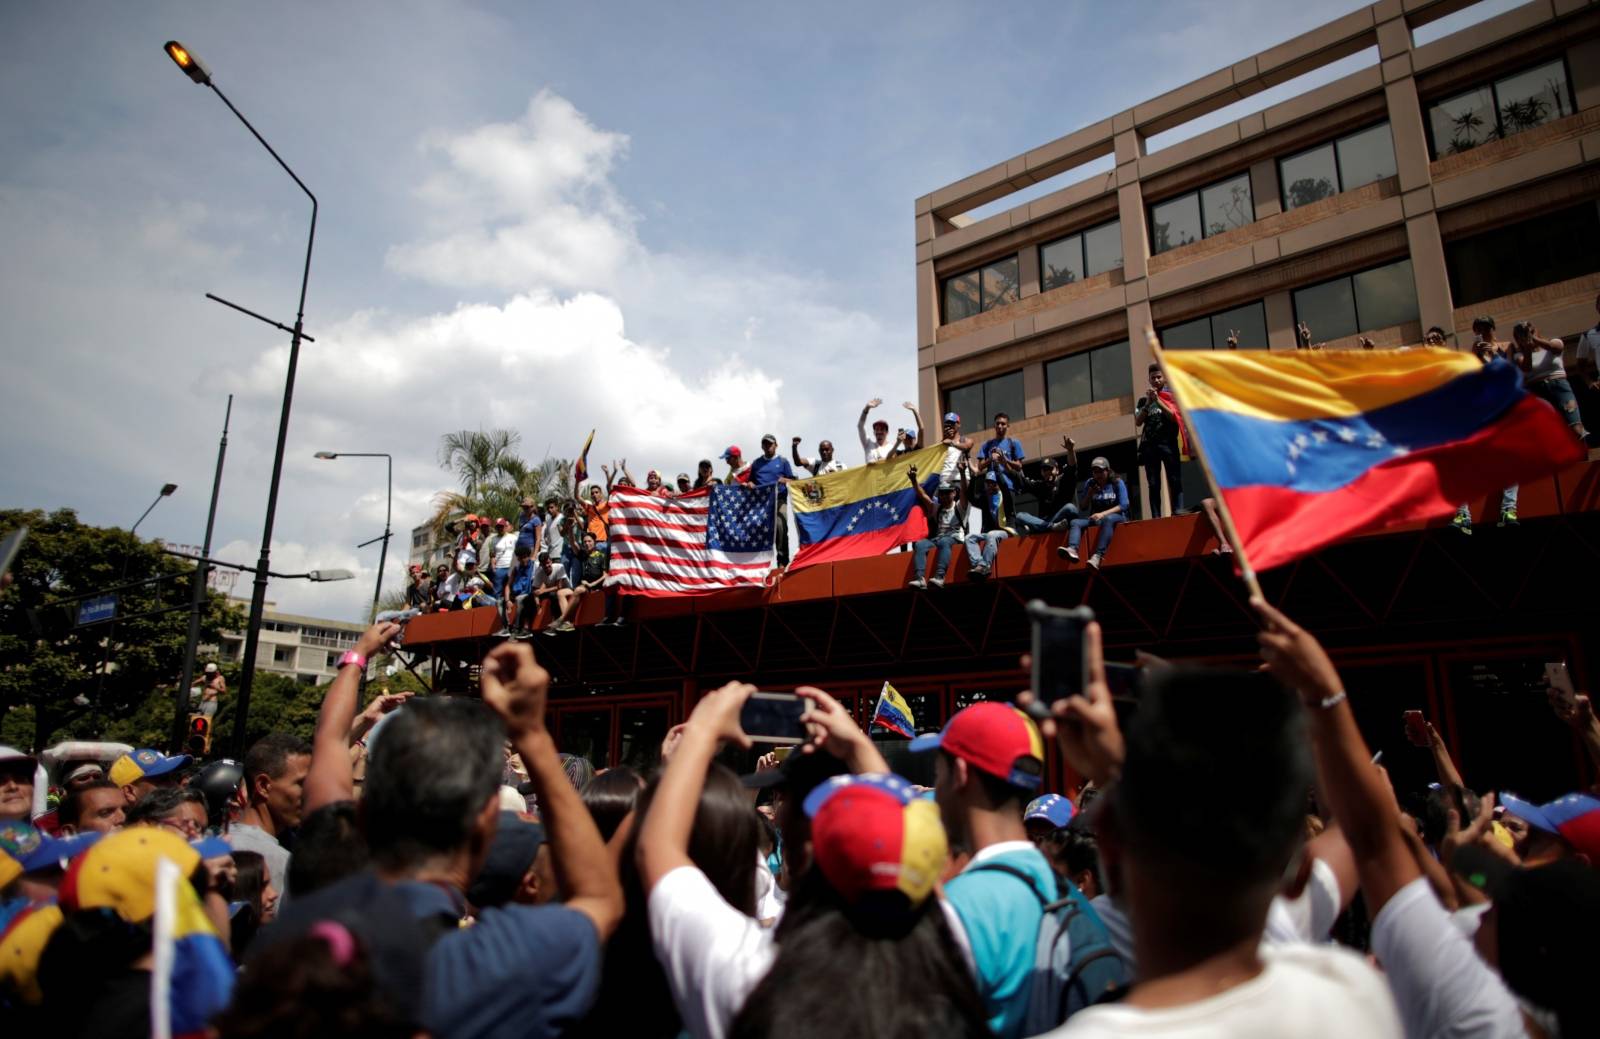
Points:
[871,833]
[995,737]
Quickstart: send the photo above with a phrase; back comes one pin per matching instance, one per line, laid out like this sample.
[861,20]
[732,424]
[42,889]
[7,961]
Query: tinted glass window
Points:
[1227,205]
[1250,321]
[1526,255]
[1532,98]
[1329,309]
[1111,371]
[1191,335]
[1002,393]
[1365,157]
[966,401]
[1102,247]
[1061,263]
[1067,382]
[961,296]
[1000,283]
[1174,223]
[1386,296]
[1463,122]
[1308,177]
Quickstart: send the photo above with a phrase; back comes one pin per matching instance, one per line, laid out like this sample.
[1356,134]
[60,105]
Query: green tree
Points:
[57,670]
[493,478]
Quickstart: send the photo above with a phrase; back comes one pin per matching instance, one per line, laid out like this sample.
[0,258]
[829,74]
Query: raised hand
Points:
[874,402]
[1295,655]
[515,687]
[718,712]
[1085,727]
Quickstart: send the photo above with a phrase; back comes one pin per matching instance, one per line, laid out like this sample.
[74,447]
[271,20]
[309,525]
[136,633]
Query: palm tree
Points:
[493,477]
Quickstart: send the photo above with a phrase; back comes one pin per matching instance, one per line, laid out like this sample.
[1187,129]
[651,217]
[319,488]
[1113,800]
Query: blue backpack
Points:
[1074,963]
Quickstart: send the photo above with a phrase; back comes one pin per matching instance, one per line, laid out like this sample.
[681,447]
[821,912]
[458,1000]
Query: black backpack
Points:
[1074,963]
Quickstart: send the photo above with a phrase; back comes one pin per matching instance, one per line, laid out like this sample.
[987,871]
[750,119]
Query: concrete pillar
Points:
[1410,135]
[1280,321]
[1033,390]
[1434,305]
[1264,188]
[1139,358]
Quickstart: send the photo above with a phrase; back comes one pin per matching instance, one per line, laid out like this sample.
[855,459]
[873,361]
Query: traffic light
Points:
[199,741]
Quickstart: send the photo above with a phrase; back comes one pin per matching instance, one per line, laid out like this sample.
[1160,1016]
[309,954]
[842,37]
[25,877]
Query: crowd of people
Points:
[434,865]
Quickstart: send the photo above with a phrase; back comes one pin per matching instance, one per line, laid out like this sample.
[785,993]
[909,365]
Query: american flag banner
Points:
[703,541]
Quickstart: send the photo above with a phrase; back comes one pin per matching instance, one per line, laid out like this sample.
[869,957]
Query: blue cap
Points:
[888,782]
[1052,808]
[951,416]
[36,850]
[212,847]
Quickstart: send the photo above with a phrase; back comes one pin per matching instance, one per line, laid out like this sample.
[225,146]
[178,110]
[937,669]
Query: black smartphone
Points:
[1123,680]
[773,718]
[1059,665]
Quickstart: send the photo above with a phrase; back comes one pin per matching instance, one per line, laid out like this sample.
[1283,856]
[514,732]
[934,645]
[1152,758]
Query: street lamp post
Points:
[196,71]
[388,512]
[111,634]
[197,596]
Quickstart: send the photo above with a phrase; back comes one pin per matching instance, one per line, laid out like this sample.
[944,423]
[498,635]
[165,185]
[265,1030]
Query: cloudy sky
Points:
[684,224]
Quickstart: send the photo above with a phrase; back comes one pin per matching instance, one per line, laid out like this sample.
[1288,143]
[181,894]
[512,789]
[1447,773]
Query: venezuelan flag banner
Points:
[863,511]
[894,713]
[1309,447]
[580,468]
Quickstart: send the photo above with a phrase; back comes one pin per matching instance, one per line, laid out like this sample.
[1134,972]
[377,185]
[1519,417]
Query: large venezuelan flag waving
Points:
[864,511]
[1308,447]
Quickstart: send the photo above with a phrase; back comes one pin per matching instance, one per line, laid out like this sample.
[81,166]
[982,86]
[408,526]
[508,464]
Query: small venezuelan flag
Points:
[1309,447]
[580,468]
[862,511]
[894,713]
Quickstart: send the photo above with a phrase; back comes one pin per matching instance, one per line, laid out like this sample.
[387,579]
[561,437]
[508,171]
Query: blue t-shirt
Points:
[1008,448]
[1101,498]
[528,531]
[1001,917]
[764,472]
[518,971]
[522,577]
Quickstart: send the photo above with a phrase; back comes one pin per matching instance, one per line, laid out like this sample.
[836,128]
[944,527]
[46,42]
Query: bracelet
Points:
[352,657]
[1328,702]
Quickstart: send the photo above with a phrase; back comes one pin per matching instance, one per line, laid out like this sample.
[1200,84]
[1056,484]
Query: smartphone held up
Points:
[1060,666]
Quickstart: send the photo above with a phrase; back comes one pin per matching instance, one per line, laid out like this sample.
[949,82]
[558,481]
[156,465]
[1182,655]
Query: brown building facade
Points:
[1442,180]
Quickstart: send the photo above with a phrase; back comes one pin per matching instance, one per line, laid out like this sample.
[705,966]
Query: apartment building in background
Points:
[1438,177]
[306,649]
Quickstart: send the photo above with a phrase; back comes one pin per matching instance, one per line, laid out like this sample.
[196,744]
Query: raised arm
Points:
[832,729]
[1355,789]
[861,423]
[917,417]
[1449,776]
[922,495]
[330,779]
[794,452]
[1579,716]
[664,837]
[517,688]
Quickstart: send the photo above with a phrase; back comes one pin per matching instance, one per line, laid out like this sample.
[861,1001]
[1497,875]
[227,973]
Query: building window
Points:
[988,287]
[1339,165]
[1212,210]
[1211,333]
[977,402]
[282,654]
[1080,256]
[1506,106]
[1103,373]
[419,539]
[1547,249]
[1379,298]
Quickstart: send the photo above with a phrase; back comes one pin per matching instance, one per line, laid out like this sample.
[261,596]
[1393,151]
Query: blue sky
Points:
[684,224]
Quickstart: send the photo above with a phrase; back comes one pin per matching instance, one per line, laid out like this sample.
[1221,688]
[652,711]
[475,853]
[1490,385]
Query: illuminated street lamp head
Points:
[327,455]
[191,65]
[167,489]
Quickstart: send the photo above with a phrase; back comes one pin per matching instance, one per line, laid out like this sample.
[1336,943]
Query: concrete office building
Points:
[1442,178]
[306,649]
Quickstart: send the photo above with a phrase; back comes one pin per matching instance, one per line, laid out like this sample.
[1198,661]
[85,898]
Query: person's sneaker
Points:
[549,629]
[503,633]
[1462,523]
[978,571]
[1068,552]
[1010,531]
[1094,560]
[1508,518]
[937,582]
[616,622]
[916,582]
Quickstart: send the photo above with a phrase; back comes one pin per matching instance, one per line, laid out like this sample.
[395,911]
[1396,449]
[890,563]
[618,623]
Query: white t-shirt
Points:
[713,955]
[820,468]
[1308,918]
[874,451]
[505,551]
[553,576]
[1545,364]
[1440,984]
[1306,991]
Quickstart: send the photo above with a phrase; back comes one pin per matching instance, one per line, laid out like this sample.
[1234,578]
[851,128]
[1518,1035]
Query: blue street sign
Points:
[100,608]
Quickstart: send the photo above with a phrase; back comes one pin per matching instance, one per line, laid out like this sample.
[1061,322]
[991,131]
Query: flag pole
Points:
[1246,571]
